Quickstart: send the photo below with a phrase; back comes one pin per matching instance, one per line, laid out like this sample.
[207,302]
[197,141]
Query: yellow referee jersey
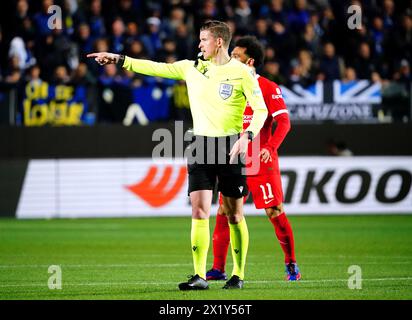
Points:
[217,93]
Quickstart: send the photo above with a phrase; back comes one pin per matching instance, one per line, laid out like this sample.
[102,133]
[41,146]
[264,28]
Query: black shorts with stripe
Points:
[208,164]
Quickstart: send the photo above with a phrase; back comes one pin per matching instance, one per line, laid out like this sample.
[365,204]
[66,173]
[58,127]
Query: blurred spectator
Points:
[298,17]
[396,95]
[27,32]
[65,48]
[109,74]
[14,73]
[33,75]
[168,49]
[403,75]
[338,148]
[355,38]
[274,12]
[41,19]
[388,14]
[233,29]
[402,38]
[176,18]
[72,16]
[152,39]
[227,8]
[295,74]
[343,150]
[364,64]
[349,75]
[310,40]
[95,19]
[136,50]
[131,79]
[100,44]
[132,33]
[24,57]
[243,17]
[330,64]
[329,25]
[271,71]
[314,22]
[270,53]
[302,71]
[61,76]
[261,31]
[282,41]
[307,69]
[22,13]
[82,76]
[184,42]
[117,38]
[84,40]
[51,52]
[208,11]
[378,35]
[127,11]
[376,77]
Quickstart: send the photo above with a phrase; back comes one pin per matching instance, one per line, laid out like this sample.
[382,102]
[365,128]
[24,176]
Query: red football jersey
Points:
[275,104]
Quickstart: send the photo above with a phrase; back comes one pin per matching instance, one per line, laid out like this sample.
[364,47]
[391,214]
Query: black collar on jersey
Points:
[201,68]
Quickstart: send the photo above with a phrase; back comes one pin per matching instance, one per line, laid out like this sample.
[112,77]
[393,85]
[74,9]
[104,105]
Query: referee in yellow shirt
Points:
[218,89]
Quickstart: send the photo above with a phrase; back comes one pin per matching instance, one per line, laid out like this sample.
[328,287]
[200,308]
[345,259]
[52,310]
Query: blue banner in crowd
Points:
[154,102]
[119,103]
[339,101]
[59,105]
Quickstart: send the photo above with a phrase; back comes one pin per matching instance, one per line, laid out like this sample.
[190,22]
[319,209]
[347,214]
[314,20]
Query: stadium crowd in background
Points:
[305,40]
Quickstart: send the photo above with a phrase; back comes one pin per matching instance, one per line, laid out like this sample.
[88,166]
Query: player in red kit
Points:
[265,185]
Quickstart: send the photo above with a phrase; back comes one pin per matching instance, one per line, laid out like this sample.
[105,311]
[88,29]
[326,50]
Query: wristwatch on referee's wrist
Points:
[121,60]
[250,135]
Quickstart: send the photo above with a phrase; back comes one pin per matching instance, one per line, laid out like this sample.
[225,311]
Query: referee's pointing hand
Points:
[104,58]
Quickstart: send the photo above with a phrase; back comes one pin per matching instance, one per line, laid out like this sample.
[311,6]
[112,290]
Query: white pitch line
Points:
[149,265]
[270,257]
[332,280]
[172,265]
[111,284]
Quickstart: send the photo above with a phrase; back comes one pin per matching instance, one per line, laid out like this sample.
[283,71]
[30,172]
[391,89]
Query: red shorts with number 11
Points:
[266,190]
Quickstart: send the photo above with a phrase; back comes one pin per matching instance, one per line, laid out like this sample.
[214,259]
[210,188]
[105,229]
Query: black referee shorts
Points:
[208,164]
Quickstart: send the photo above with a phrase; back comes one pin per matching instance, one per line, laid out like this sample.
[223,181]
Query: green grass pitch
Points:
[145,258]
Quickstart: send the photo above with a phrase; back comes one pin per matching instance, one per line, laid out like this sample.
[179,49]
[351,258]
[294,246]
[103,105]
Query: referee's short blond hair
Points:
[218,29]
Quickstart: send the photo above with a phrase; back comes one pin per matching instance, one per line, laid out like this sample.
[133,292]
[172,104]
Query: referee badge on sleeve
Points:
[225,90]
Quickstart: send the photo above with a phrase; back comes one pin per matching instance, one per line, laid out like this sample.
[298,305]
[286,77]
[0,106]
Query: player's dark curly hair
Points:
[254,49]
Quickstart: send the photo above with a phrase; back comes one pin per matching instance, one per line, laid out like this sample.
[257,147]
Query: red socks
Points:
[221,240]
[284,234]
